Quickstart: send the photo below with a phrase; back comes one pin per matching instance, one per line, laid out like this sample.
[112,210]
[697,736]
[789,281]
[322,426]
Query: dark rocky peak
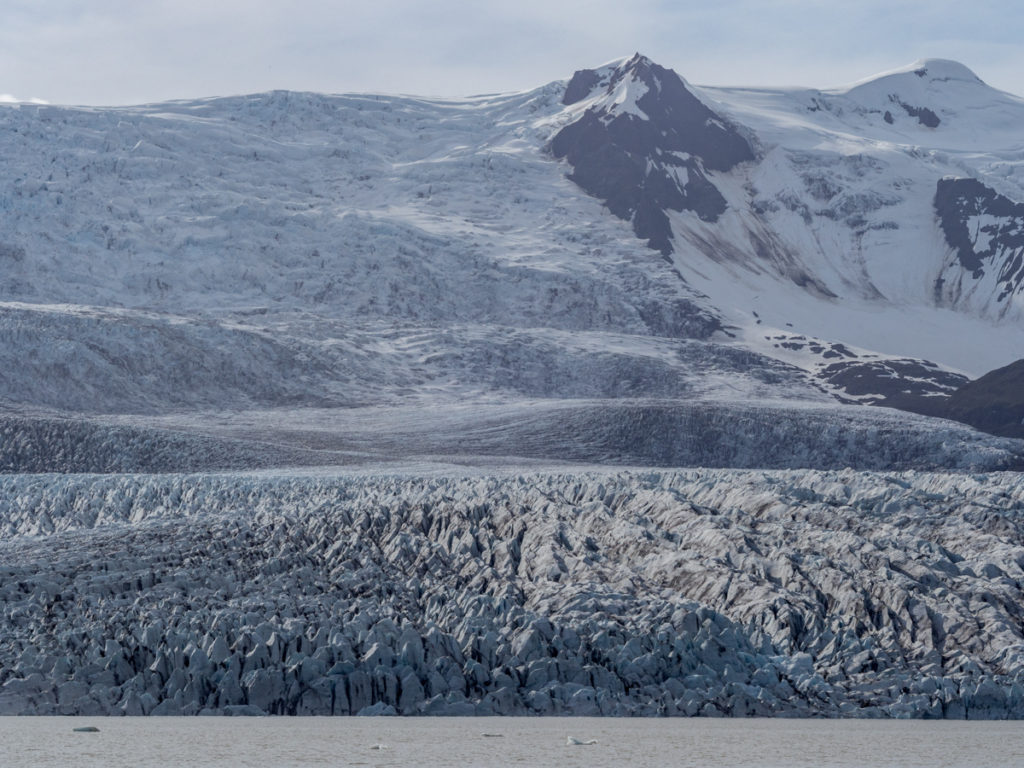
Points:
[985,228]
[644,144]
[586,82]
[580,87]
[648,109]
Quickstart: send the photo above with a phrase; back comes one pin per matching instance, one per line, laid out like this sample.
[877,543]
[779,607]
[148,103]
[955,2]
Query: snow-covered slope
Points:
[855,188]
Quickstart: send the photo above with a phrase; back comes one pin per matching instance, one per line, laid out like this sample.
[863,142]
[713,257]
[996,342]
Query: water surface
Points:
[274,742]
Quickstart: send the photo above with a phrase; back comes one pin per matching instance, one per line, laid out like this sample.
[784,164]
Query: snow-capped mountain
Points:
[622,234]
[861,216]
[643,143]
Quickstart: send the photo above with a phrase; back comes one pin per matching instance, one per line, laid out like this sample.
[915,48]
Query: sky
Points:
[107,52]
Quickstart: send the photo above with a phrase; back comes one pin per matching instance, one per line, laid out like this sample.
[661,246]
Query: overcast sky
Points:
[132,51]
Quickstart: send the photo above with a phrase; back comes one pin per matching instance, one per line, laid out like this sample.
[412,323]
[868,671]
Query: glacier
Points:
[321,232]
[640,592]
[579,400]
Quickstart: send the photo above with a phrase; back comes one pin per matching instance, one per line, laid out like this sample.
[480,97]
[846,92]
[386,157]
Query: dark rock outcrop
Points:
[925,116]
[918,386]
[994,403]
[645,147]
[997,242]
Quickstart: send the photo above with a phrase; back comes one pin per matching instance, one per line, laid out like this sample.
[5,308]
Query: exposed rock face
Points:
[644,144]
[993,403]
[925,116]
[910,385]
[691,593]
[986,231]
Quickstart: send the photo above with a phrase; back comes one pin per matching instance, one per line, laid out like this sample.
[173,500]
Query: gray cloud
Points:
[115,52]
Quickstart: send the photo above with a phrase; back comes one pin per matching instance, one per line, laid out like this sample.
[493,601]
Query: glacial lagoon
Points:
[314,741]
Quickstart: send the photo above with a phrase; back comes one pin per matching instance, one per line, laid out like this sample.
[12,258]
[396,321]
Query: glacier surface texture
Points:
[691,592]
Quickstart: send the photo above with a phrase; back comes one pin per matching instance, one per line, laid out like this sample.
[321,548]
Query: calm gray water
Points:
[274,742]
